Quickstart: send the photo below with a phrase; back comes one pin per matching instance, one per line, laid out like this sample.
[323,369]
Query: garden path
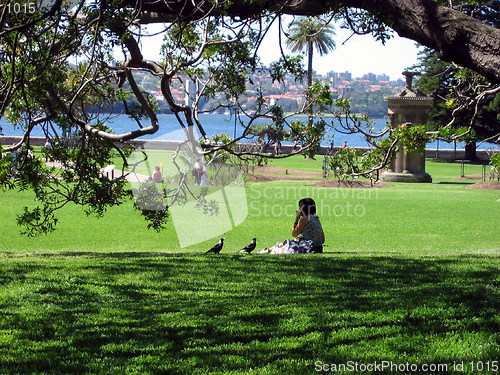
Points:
[110,171]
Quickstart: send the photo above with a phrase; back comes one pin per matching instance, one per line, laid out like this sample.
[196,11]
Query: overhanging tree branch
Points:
[459,38]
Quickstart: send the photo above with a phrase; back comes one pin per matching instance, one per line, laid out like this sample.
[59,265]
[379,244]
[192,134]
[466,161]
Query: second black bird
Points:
[250,247]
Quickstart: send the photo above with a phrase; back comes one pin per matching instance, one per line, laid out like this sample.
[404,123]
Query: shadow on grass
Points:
[162,313]
[469,182]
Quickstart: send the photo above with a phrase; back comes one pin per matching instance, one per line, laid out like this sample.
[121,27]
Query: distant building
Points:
[346,76]
[374,88]
[190,89]
[342,90]
[336,78]
[370,77]
[383,78]
[178,96]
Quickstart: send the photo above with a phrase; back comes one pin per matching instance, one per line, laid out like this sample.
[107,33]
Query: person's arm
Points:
[299,225]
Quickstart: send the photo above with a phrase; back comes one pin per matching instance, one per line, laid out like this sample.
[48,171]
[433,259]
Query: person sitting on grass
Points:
[307,229]
[307,225]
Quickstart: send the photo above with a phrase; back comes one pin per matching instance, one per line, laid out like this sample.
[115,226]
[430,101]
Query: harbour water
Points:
[221,123]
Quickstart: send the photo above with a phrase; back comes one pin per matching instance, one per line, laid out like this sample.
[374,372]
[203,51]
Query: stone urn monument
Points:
[411,108]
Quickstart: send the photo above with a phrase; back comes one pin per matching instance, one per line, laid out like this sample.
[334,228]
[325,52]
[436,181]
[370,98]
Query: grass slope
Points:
[228,314]
[410,277]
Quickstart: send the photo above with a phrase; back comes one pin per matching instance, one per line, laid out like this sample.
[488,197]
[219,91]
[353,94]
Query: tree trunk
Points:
[309,78]
[310,153]
[459,38]
[310,51]
[470,151]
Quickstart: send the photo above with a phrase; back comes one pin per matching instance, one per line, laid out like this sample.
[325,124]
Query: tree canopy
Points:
[65,64]
[459,38]
[452,88]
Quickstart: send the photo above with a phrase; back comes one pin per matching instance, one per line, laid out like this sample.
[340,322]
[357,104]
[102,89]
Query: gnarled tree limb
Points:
[458,37]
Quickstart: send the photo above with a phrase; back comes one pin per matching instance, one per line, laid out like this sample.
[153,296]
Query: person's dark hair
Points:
[308,206]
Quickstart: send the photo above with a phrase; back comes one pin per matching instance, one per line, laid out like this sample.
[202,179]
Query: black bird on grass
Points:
[250,247]
[217,247]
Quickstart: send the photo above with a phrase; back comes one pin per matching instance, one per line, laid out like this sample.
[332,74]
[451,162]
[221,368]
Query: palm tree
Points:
[305,33]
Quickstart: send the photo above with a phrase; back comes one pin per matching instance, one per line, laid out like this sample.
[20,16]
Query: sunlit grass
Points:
[410,275]
[422,218]
[154,313]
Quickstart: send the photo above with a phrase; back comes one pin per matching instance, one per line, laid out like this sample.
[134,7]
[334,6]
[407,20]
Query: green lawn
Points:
[427,219]
[410,277]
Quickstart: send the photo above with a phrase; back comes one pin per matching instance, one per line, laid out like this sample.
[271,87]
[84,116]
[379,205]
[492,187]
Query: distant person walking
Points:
[277,147]
[200,173]
[330,150]
[47,148]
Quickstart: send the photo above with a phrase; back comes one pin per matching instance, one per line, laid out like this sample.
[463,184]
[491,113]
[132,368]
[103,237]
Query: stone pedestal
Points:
[410,108]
